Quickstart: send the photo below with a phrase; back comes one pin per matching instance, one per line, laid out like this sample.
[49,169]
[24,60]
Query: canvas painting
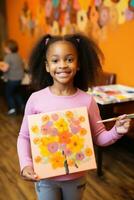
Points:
[61,142]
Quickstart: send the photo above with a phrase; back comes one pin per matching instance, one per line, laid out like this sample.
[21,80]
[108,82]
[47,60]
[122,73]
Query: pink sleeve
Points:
[100,135]
[23,142]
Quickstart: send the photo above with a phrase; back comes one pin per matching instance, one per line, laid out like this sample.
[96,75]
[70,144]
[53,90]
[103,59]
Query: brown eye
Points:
[54,61]
[70,60]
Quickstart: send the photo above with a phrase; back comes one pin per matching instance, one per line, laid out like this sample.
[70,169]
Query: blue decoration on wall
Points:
[55,3]
[132,3]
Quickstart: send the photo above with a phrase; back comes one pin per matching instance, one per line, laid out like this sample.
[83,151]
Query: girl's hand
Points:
[122,125]
[29,174]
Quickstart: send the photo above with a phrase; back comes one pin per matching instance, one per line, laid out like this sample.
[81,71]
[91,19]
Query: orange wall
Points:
[119,53]
[118,48]
[25,40]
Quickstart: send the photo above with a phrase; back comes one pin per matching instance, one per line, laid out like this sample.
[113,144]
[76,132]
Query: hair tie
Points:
[46,42]
[78,40]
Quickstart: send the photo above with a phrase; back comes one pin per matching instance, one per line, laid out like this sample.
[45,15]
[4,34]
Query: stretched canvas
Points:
[61,142]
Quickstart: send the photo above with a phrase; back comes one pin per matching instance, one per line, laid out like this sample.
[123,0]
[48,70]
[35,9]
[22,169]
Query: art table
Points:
[108,97]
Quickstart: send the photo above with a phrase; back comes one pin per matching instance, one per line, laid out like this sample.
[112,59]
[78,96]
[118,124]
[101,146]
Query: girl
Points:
[62,67]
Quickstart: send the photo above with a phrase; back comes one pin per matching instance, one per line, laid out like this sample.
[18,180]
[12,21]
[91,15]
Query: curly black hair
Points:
[89,59]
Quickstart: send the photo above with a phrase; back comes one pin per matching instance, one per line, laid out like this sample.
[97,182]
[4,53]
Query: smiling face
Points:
[62,62]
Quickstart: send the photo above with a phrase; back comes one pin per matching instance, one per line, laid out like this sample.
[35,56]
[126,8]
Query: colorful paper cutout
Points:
[85,4]
[103,16]
[131,5]
[48,8]
[61,142]
[93,15]
[121,6]
[55,28]
[82,19]
[107,14]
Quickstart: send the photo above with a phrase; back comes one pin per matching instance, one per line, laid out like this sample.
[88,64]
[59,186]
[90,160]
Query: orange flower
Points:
[82,118]
[88,151]
[45,118]
[70,162]
[69,114]
[36,140]
[64,137]
[83,131]
[38,159]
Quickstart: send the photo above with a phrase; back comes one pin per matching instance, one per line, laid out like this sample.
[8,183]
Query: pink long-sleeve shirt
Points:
[44,101]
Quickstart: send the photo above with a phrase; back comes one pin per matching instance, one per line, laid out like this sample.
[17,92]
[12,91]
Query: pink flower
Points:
[80,156]
[54,131]
[53,147]
[129,14]
[76,122]
[55,117]
[49,124]
[74,129]
[44,130]
[67,152]
[98,2]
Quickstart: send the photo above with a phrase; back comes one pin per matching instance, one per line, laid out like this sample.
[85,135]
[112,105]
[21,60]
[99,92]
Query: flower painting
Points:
[61,142]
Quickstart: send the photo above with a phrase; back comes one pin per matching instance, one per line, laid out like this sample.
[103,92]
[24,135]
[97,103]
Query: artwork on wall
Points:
[61,142]
[96,15]
[131,5]
[26,20]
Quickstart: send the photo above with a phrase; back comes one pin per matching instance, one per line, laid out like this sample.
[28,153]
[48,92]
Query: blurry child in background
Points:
[12,68]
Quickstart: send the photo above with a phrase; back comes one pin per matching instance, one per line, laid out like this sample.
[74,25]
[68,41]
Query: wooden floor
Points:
[117,183]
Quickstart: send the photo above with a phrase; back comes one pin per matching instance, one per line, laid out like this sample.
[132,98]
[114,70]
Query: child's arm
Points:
[23,146]
[101,136]
[4,66]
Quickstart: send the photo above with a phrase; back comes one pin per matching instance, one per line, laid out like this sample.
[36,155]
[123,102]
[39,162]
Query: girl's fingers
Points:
[121,117]
[29,174]
[122,125]
[127,124]
[30,177]
[122,121]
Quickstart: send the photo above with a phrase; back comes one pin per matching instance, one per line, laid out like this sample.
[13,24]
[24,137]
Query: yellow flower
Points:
[35,129]
[61,125]
[44,151]
[88,152]
[57,160]
[44,141]
[76,143]
[47,140]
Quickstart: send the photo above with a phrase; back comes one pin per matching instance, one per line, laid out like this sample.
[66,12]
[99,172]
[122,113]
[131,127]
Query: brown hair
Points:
[12,45]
